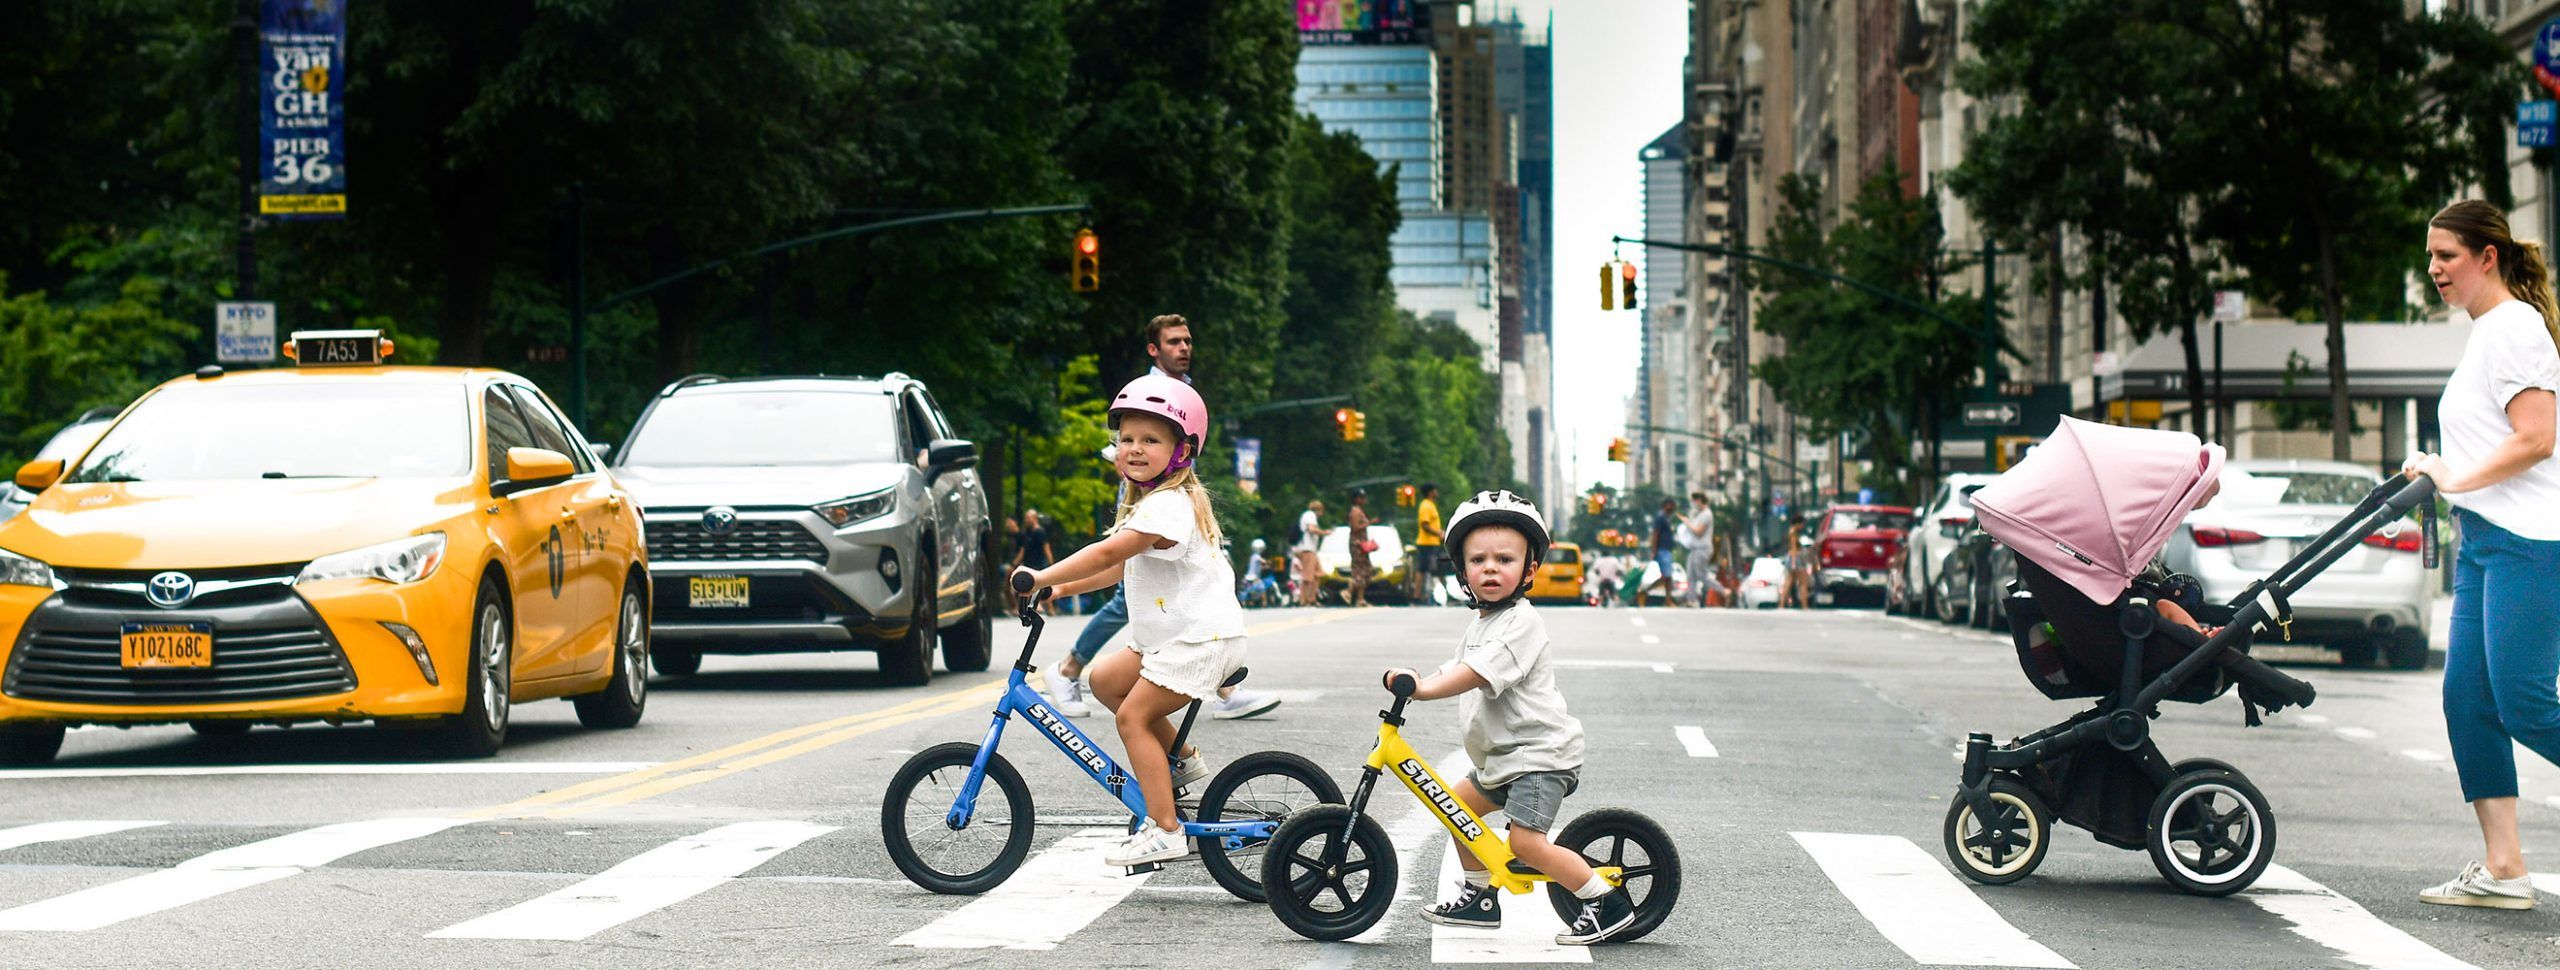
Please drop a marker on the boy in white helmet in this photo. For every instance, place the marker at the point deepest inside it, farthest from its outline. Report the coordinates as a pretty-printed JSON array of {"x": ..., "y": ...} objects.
[{"x": 1527, "y": 749}]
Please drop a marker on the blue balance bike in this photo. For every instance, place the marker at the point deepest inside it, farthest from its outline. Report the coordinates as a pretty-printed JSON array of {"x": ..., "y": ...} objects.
[{"x": 957, "y": 817}]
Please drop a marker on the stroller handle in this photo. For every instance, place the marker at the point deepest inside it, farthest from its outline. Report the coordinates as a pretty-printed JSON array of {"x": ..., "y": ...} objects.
[{"x": 2411, "y": 492}]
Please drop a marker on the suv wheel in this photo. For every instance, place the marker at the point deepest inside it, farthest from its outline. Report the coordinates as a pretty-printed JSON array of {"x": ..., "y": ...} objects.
[
  {"x": 967, "y": 646},
  {"x": 908, "y": 661}
]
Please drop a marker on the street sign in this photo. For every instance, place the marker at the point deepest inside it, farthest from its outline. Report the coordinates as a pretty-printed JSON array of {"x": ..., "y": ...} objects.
[
  {"x": 1995, "y": 414},
  {"x": 2535, "y": 123},
  {"x": 1248, "y": 460},
  {"x": 244, "y": 333},
  {"x": 2230, "y": 306}
]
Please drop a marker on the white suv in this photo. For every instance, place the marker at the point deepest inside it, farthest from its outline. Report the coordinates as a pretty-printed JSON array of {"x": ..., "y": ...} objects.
[
  {"x": 812, "y": 513},
  {"x": 1935, "y": 533}
]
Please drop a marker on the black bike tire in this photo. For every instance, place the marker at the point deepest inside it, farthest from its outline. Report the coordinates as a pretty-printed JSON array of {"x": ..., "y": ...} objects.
[
  {"x": 1247, "y": 886},
  {"x": 1325, "y": 822},
  {"x": 1662, "y": 889},
  {"x": 893, "y": 822}
]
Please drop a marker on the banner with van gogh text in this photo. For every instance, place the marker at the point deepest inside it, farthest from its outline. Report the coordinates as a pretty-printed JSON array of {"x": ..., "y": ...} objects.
[{"x": 302, "y": 47}]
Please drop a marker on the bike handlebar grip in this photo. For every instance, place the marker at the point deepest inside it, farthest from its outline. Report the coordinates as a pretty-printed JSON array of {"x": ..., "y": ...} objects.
[
  {"x": 1401, "y": 685},
  {"x": 1022, "y": 582}
]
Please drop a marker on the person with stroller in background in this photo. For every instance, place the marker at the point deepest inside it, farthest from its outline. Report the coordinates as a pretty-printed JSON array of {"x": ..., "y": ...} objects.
[{"x": 2502, "y": 656}]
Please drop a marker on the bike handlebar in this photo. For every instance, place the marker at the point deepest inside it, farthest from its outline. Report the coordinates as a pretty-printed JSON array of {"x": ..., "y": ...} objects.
[
  {"x": 1401, "y": 685},
  {"x": 1022, "y": 582}
]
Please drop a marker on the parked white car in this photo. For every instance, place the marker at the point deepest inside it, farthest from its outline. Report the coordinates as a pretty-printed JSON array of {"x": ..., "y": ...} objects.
[
  {"x": 2372, "y": 601},
  {"x": 1763, "y": 584},
  {"x": 1935, "y": 532}
]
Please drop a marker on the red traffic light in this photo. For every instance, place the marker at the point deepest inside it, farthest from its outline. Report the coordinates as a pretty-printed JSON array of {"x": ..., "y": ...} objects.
[
  {"x": 1088, "y": 243},
  {"x": 1627, "y": 270}
]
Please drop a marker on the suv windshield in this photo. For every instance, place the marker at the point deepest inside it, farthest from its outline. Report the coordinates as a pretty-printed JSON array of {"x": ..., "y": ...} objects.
[
  {"x": 730, "y": 427},
  {"x": 214, "y": 431},
  {"x": 1850, "y": 521}
]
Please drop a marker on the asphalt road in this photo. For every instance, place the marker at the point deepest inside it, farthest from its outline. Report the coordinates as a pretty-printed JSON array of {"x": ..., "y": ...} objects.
[{"x": 737, "y": 826}]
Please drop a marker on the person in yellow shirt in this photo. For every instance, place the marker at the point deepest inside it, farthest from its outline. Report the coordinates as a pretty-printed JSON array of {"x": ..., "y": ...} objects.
[{"x": 1426, "y": 546}]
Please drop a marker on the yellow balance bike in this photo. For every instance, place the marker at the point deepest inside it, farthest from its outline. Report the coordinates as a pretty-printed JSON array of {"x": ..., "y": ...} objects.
[{"x": 1329, "y": 873}]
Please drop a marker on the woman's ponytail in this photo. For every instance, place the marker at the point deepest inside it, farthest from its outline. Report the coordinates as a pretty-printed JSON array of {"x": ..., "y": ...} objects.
[
  {"x": 2521, "y": 266},
  {"x": 2529, "y": 278}
]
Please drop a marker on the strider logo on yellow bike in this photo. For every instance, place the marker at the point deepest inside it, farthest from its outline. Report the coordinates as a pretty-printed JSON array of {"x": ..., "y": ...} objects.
[
  {"x": 337, "y": 540},
  {"x": 1429, "y": 788}
]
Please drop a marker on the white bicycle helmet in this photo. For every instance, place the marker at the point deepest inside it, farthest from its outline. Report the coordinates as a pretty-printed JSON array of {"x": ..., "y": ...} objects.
[{"x": 1499, "y": 508}]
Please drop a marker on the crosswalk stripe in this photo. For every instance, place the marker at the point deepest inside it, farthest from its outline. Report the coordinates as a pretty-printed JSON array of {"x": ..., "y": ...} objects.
[
  {"x": 1056, "y": 893},
  {"x": 1694, "y": 738},
  {"x": 216, "y": 873},
  {"x": 65, "y": 831},
  {"x": 1527, "y": 935},
  {"x": 1919, "y": 906},
  {"x": 2548, "y": 882},
  {"x": 2334, "y": 921},
  {"x": 642, "y": 884}
]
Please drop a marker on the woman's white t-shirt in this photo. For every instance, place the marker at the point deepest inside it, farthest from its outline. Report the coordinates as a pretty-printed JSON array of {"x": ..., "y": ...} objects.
[
  {"x": 2508, "y": 353},
  {"x": 1307, "y": 529},
  {"x": 1182, "y": 594}
]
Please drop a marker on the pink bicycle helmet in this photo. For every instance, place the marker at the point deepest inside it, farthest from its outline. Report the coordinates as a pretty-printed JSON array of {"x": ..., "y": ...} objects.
[{"x": 1171, "y": 399}]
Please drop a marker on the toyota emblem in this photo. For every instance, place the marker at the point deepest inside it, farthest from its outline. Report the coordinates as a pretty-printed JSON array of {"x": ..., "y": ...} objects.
[
  {"x": 170, "y": 590},
  {"x": 720, "y": 520}
]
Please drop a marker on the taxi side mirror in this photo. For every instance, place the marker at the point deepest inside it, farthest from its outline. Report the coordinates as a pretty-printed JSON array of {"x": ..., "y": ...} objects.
[
  {"x": 36, "y": 476},
  {"x": 531, "y": 468}
]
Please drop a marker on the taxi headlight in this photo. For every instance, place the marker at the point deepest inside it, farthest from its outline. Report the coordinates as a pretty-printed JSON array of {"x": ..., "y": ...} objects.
[
  {"x": 17, "y": 570},
  {"x": 846, "y": 512},
  {"x": 398, "y": 561}
]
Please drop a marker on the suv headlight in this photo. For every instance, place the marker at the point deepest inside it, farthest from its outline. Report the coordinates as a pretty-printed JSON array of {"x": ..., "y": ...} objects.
[
  {"x": 398, "y": 561},
  {"x": 845, "y": 512},
  {"x": 17, "y": 570}
]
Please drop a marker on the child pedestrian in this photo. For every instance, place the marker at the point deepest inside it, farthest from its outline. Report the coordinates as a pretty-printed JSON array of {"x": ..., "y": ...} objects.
[
  {"x": 1183, "y": 616},
  {"x": 1527, "y": 750}
]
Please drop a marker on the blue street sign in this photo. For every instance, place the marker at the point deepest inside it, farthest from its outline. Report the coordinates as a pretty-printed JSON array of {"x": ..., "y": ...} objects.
[
  {"x": 2537, "y": 120},
  {"x": 2546, "y": 47}
]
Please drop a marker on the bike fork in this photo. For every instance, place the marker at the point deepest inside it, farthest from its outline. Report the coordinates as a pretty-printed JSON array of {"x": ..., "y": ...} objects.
[
  {"x": 965, "y": 807},
  {"x": 1358, "y": 804}
]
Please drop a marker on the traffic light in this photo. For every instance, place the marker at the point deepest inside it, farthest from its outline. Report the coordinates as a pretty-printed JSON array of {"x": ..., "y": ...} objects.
[
  {"x": 1404, "y": 495},
  {"x": 1342, "y": 423},
  {"x": 1357, "y": 428},
  {"x": 1618, "y": 449},
  {"x": 1087, "y": 276},
  {"x": 1608, "y": 285},
  {"x": 1594, "y": 503},
  {"x": 1627, "y": 280}
]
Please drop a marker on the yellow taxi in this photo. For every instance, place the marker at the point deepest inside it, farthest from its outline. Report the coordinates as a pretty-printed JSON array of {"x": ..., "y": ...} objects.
[
  {"x": 337, "y": 541},
  {"x": 1559, "y": 578}
]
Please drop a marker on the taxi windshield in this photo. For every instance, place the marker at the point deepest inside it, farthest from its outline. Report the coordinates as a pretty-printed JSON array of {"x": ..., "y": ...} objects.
[
  {"x": 794, "y": 427},
  {"x": 216, "y": 431}
]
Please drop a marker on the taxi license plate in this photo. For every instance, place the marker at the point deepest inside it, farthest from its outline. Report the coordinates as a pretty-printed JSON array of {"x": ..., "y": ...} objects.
[
  {"x": 149, "y": 645},
  {"x": 718, "y": 592}
]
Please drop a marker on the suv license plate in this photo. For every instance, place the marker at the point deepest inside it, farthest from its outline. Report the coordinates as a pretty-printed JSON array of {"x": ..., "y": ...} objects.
[
  {"x": 148, "y": 645},
  {"x": 717, "y": 592}
]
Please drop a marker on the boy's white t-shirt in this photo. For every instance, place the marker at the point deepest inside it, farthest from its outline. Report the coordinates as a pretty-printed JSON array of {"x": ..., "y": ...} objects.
[
  {"x": 2508, "y": 353},
  {"x": 1182, "y": 594},
  {"x": 1517, "y": 724}
]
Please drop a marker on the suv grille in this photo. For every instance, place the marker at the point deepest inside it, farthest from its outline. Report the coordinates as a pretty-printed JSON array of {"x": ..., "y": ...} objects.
[
  {"x": 683, "y": 540},
  {"x": 267, "y": 645}
]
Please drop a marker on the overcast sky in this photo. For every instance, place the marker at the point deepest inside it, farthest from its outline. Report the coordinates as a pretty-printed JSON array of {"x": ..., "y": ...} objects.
[{"x": 1617, "y": 86}]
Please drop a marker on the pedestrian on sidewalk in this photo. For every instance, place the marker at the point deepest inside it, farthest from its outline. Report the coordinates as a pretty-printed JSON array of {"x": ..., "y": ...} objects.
[
  {"x": 1031, "y": 548},
  {"x": 1169, "y": 346},
  {"x": 2502, "y": 658},
  {"x": 1698, "y": 538},
  {"x": 1311, "y": 533},
  {"x": 1358, "y": 521},
  {"x": 1425, "y": 568},
  {"x": 1665, "y": 524}
]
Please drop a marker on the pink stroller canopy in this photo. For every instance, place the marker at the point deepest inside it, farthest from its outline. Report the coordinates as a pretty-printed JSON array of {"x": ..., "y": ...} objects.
[{"x": 2093, "y": 503}]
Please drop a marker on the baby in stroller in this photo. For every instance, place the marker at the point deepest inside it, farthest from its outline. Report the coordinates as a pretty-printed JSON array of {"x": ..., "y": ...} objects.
[{"x": 2094, "y": 616}]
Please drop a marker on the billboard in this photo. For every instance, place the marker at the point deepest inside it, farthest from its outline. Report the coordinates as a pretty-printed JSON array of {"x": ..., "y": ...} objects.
[
  {"x": 302, "y": 125},
  {"x": 1329, "y": 22}
]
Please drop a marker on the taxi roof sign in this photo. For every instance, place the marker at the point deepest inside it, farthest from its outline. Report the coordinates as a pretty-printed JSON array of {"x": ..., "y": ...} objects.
[{"x": 337, "y": 348}]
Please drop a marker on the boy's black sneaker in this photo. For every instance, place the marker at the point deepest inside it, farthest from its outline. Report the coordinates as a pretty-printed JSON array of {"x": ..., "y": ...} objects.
[
  {"x": 1476, "y": 906},
  {"x": 1601, "y": 919}
]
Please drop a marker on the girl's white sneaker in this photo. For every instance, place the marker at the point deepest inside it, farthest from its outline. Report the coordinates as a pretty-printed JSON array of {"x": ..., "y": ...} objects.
[{"x": 1147, "y": 844}]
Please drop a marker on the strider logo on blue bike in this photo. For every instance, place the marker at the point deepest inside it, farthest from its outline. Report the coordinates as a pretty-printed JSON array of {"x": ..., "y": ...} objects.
[
  {"x": 1093, "y": 760},
  {"x": 1442, "y": 800}
]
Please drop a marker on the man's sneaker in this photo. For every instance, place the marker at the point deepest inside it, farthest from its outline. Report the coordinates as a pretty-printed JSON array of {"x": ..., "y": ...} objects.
[
  {"x": 1066, "y": 694},
  {"x": 1476, "y": 906},
  {"x": 1190, "y": 771},
  {"x": 2476, "y": 887},
  {"x": 1243, "y": 703},
  {"x": 1601, "y": 919},
  {"x": 1148, "y": 844}
]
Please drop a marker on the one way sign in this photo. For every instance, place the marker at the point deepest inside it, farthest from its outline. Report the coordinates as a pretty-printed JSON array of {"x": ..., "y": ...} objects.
[{"x": 1997, "y": 414}]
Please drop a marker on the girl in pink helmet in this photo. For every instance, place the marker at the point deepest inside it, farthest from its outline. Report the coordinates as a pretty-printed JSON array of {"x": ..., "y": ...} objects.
[{"x": 1187, "y": 629}]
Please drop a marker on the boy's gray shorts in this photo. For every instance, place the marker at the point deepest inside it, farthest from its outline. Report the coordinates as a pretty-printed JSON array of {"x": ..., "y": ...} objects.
[{"x": 1533, "y": 799}]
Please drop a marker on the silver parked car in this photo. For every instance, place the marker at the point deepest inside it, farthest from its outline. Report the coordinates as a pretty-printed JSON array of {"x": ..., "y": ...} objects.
[
  {"x": 812, "y": 513},
  {"x": 66, "y": 445},
  {"x": 2373, "y": 601},
  {"x": 1936, "y": 530}
]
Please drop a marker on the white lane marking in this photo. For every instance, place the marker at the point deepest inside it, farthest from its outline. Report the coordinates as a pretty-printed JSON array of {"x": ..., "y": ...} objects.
[
  {"x": 1650, "y": 638},
  {"x": 215, "y": 873},
  {"x": 2336, "y": 922},
  {"x": 1527, "y": 934},
  {"x": 1919, "y": 906},
  {"x": 1656, "y": 666},
  {"x": 1694, "y": 738},
  {"x": 640, "y": 885},
  {"x": 2312, "y": 718},
  {"x": 65, "y": 831},
  {"x": 2548, "y": 882},
  {"x": 1637, "y": 620},
  {"x": 425, "y": 768},
  {"x": 2356, "y": 733},
  {"x": 1410, "y": 833},
  {"x": 1298, "y": 696},
  {"x": 2421, "y": 754},
  {"x": 1057, "y": 892}
]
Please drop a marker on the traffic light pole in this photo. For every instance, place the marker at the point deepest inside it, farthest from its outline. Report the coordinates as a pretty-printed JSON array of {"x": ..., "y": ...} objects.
[
  {"x": 1800, "y": 470},
  {"x": 578, "y": 314},
  {"x": 1986, "y": 333}
]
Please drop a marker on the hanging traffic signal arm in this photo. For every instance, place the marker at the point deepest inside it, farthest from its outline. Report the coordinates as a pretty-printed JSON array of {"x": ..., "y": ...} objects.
[{"x": 1973, "y": 330}]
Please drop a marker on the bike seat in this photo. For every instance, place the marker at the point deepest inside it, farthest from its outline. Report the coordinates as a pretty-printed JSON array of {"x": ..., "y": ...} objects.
[{"x": 1235, "y": 678}]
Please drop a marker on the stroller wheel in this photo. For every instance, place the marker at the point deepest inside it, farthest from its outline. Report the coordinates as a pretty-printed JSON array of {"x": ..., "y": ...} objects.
[
  {"x": 2211, "y": 832},
  {"x": 2006, "y": 846}
]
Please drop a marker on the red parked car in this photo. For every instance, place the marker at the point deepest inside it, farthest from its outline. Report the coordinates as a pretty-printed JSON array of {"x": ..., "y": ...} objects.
[{"x": 1853, "y": 550}]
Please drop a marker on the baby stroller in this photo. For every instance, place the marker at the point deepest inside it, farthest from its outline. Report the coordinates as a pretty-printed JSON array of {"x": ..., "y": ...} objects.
[{"x": 2085, "y": 512}]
